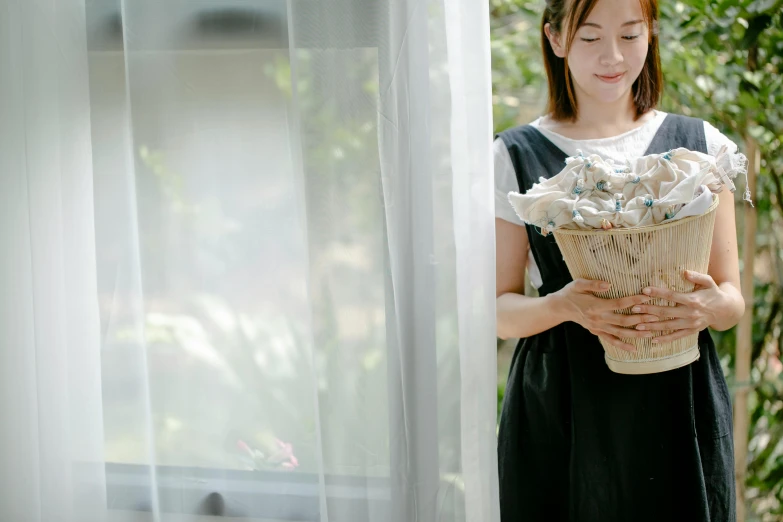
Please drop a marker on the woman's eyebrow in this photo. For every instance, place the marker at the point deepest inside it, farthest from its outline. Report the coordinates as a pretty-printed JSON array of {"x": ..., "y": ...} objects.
[{"x": 631, "y": 22}]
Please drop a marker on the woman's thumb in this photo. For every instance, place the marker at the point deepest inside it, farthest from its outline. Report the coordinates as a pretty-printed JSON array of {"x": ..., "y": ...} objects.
[{"x": 587, "y": 285}]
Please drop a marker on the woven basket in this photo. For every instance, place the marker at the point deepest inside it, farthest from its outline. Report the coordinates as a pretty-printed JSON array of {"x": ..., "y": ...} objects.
[{"x": 634, "y": 258}]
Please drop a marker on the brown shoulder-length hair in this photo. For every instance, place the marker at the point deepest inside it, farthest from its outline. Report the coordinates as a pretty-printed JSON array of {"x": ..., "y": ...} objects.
[{"x": 570, "y": 15}]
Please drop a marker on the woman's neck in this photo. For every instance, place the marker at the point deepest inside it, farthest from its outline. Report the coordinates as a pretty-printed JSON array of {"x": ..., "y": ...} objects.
[{"x": 599, "y": 120}]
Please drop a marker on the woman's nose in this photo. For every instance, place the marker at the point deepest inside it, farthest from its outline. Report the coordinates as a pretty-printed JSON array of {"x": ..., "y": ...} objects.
[{"x": 610, "y": 53}]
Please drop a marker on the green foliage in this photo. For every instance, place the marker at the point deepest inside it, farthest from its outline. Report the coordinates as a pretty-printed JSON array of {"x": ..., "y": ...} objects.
[{"x": 722, "y": 62}]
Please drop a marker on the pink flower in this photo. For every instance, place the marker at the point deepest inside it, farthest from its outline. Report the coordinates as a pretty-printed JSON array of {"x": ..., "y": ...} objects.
[
  {"x": 774, "y": 364},
  {"x": 285, "y": 456},
  {"x": 242, "y": 445},
  {"x": 285, "y": 447}
]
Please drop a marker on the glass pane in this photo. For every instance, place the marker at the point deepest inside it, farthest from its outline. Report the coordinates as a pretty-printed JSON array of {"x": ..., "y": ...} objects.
[{"x": 240, "y": 238}]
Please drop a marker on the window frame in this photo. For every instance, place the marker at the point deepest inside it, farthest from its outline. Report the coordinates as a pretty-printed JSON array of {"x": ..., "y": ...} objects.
[{"x": 277, "y": 495}]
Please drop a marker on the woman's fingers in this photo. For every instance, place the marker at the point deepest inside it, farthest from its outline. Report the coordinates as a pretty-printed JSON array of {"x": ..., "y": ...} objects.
[
  {"x": 669, "y": 295},
  {"x": 588, "y": 285},
  {"x": 615, "y": 341},
  {"x": 670, "y": 324},
  {"x": 662, "y": 311},
  {"x": 675, "y": 335},
  {"x": 619, "y": 331},
  {"x": 700, "y": 279},
  {"x": 625, "y": 302},
  {"x": 631, "y": 320}
]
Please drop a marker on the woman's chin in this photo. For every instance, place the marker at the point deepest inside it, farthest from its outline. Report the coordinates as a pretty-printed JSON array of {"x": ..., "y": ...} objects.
[{"x": 607, "y": 96}]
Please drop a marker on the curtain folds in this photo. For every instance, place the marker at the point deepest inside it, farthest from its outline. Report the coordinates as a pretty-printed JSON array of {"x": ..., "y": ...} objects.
[{"x": 247, "y": 261}]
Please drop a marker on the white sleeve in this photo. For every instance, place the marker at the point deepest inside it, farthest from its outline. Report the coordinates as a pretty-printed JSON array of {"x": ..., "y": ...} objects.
[
  {"x": 716, "y": 139},
  {"x": 505, "y": 182}
]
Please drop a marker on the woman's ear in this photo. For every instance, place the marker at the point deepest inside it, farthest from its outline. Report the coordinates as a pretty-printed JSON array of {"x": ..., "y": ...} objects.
[{"x": 554, "y": 41}]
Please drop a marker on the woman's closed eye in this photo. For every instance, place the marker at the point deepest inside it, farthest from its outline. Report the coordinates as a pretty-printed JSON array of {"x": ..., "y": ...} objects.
[{"x": 628, "y": 38}]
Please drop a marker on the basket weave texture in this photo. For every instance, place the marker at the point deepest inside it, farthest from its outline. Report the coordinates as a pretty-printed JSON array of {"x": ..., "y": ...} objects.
[{"x": 634, "y": 258}]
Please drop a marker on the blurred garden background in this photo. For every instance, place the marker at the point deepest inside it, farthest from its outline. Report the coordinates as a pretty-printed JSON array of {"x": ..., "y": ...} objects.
[{"x": 722, "y": 63}]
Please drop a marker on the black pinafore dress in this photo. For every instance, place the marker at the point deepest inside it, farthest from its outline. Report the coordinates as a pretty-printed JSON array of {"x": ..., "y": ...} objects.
[{"x": 580, "y": 443}]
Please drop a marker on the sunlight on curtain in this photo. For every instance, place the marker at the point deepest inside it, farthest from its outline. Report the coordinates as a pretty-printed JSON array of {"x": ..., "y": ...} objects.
[
  {"x": 293, "y": 249},
  {"x": 51, "y": 447}
]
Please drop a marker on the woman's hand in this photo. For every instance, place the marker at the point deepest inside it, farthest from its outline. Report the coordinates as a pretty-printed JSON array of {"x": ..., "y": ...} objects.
[
  {"x": 694, "y": 311},
  {"x": 598, "y": 315}
]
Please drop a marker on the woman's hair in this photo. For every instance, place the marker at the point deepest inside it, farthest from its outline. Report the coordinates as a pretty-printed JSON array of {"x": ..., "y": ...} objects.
[{"x": 570, "y": 15}]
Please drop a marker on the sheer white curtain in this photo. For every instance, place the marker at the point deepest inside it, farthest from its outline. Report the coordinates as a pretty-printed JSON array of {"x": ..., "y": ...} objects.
[
  {"x": 247, "y": 260},
  {"x": 51, "y": 436}
]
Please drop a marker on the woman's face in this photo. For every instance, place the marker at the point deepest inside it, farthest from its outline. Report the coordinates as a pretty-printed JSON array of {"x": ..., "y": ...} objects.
[{"x": 609, "y": 50}]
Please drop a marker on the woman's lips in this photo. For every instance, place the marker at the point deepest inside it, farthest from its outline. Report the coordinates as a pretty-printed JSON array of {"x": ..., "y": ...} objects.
[{"x": 611, "y": 79}]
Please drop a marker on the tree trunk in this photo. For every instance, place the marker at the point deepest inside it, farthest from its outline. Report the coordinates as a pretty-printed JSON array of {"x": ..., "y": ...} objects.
[{"x": 745, "y": 334}]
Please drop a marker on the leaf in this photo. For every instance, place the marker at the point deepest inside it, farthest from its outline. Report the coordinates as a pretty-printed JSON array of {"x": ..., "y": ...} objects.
[
  {"x": 748, "y": 100},
  {"x": 694, "y": 35},
  {"x": 751, "y": 81},
  {"x": 728, "y": 18},
  {"x": 760, "y": 6},
  {"x": 712, "y": 40},
  {"x": 689, "y": 21}
]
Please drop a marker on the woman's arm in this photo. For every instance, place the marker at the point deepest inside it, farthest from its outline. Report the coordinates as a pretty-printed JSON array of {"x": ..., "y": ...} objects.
[
  {"x": 519, "y": 315},
  {"x": 724, "y": 264},
  {"x": 522, "y": 316}
]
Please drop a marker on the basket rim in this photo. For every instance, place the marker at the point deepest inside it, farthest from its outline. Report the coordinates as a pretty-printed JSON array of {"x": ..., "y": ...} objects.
[{"x": 643, "y": 228}]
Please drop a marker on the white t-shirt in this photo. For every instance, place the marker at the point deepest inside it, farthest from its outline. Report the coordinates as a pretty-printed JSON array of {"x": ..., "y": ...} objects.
[{"x": 628, "y": 145}]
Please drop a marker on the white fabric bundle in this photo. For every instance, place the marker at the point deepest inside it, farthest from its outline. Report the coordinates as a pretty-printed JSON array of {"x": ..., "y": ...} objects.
[{"x": 591, "y": 192}]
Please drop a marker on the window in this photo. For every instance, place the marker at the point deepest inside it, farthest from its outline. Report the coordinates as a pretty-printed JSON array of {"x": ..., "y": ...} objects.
[{"x": 207, "y": 317}]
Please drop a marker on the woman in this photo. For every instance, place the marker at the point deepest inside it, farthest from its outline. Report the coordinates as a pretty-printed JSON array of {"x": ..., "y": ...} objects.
[{"x": 576, "y": 441}]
